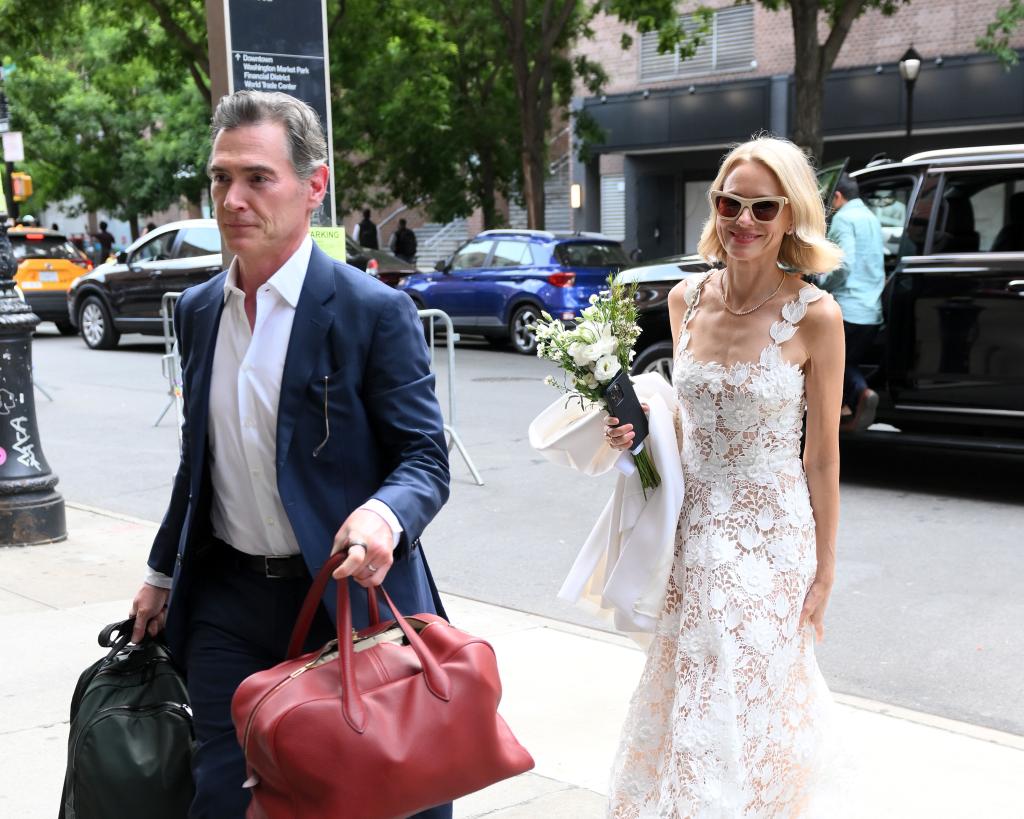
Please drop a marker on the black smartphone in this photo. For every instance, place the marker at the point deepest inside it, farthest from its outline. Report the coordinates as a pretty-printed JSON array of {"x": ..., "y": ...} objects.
[{"x": 623, "y": 404}]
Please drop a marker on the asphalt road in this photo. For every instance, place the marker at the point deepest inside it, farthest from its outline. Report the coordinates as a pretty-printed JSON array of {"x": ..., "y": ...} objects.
[{"x": 927, "y": 609}]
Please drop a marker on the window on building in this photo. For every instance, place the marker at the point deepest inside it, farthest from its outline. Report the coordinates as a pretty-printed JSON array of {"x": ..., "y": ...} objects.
[
  {"x": 729, "y": 47},
  {"x": 613, "y": 206}
]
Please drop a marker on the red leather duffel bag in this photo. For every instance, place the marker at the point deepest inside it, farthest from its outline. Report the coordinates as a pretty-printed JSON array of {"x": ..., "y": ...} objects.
[{"x": 376, "y": 725}]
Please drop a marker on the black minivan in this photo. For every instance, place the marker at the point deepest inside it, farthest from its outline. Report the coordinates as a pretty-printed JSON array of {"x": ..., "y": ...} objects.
[{"x": 949, "y": 363}]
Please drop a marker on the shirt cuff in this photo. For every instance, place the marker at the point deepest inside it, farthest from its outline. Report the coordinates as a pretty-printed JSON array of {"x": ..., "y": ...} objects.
[
  {"x": 158, "y": 579},
  {"x": 382, "y": 509}
]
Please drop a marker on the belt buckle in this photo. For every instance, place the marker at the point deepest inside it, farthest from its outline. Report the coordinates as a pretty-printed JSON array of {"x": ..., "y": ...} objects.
[{"x": 269, "y": 570}]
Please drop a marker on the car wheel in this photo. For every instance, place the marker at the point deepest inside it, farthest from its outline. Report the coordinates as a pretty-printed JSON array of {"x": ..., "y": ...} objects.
[
  {"x": 97, "y": 326},
  {"x": 520, "y": 329},
  {"x": 66, "y": 328},
  {"x": 655, "y": 359}
]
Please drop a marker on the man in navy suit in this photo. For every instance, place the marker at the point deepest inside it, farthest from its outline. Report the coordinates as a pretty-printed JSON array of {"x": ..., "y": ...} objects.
[{"x": 311, "y": 427}]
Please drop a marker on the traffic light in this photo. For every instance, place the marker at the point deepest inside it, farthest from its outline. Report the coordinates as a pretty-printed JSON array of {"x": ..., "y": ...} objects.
[{"x": 21, "y": 186}]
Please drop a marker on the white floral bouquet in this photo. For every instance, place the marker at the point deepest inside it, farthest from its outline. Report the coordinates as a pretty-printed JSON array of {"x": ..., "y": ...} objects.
[{"x": 594, "y": 351}]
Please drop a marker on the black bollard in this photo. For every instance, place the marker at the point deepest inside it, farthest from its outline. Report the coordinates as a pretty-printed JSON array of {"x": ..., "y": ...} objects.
[{"x": 31, "y": 511}]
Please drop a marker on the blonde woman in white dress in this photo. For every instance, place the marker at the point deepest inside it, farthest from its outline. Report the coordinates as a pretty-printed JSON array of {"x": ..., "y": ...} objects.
[{"x": 731, "y": 716}]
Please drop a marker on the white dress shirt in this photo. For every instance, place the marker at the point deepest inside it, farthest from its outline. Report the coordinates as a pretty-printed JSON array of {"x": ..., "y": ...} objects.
[{"x": 245, "y": 386}]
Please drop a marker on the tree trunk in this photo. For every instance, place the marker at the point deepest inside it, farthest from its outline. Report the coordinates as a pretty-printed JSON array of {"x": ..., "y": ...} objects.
[
  {"x": 532, "y": 165},
  {"x": 486, "y": 193},
  {"x": 133, "y": 225},
  {"x": 809, "y": 76}
]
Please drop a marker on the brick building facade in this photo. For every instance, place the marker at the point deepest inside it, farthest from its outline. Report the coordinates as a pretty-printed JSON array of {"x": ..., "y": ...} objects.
[{"x": 667, "y": 121}]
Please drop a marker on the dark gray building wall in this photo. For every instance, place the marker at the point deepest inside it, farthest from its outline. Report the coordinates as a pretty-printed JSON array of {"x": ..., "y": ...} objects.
[{"x": 682, "y": 133}]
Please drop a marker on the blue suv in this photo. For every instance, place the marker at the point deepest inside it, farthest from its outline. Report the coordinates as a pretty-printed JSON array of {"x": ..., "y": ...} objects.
[{"x": 497, "y": 283}]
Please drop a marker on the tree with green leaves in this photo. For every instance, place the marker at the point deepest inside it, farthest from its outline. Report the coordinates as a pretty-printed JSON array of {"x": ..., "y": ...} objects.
[
  {"x": 422, "y": 110},
  {"x": 999, "y": 31},
  {"x": 106, "y": 126},
  {"x": 813, "y": 59}
]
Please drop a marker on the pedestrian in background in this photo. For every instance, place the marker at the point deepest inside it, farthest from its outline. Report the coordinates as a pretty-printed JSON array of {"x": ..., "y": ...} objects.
[
  {"x": 366, "y": 232},
  {"x": 403, "y": 243},
  {"x": 149, "y": 226},
  {"x": 105, "y": 239},
  {"x": 311, "y": 428},
  {"x": 857, "y": 286}
]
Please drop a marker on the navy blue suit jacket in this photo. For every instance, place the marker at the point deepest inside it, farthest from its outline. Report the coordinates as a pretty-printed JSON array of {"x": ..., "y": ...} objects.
[{"x": 386, "y": 435}]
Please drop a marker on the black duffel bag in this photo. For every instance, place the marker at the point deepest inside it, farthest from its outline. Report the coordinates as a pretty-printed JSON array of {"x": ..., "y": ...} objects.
[{"x": 131, "y": 740}]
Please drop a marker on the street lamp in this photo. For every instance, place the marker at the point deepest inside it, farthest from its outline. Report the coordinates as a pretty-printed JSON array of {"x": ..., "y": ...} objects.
[
  {"x": 910, "y": 67},
  {"x": 30, "y": 510}
]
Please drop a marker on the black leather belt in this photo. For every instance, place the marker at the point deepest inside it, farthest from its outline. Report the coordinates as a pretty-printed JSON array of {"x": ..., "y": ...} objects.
[{"x": 283, "y": 567}]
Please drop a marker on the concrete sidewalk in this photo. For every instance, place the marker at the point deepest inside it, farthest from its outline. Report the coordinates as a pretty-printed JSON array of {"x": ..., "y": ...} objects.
[{"x": 566, "y": 691}]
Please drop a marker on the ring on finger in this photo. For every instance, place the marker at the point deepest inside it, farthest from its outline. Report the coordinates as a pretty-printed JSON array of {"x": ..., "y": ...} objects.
[{"x": 371, "y": 568}]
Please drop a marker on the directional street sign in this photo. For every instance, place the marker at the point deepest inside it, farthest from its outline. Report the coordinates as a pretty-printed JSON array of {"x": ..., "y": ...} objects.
[{"x": 281, "y": 45}]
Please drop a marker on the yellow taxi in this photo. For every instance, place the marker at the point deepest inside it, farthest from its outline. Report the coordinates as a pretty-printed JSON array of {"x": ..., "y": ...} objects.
[{"x": 47, "y": 264}]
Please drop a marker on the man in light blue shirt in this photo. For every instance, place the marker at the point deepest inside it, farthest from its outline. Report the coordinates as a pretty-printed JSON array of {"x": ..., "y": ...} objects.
[{"x": 857, "y": 287}]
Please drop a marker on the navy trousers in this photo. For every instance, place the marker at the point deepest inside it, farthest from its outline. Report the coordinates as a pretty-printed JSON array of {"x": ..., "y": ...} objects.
[
  {"x": 239, "y": 623},
  {"x": 859, "y": 338}
]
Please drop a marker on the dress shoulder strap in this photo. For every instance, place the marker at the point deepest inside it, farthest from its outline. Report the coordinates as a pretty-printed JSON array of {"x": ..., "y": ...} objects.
[
  {"x": 793, "y": 311},
  {"x": 692, "y": 296}
]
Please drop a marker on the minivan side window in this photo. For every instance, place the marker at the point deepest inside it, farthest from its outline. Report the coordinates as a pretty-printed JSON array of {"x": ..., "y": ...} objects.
[
  {"x": 199, "y": 242},
  {"x": 472, "y": 255},
  {"x": 888, "y": 200},
  {"x": 981, "y": 211}
]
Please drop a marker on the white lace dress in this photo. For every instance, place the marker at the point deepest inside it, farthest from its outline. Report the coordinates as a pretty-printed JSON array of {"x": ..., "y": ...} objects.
[{"x": 731, "y": 713}]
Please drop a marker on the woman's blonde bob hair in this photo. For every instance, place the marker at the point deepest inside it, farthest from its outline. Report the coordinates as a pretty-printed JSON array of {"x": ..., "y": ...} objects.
[{"x": 806, "y": 250}]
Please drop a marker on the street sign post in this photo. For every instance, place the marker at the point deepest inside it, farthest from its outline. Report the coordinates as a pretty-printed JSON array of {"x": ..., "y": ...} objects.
[{"x": 281, "y": 45}]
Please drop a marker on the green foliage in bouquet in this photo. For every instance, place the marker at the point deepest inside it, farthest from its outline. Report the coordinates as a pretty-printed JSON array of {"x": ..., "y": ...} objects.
[
  {"x": 594, "y": 351},
  {"x": 598, "y": 347}
]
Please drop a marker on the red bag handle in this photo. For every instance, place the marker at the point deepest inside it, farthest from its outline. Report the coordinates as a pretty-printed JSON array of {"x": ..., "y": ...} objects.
[{"x": 351, "y": 698}]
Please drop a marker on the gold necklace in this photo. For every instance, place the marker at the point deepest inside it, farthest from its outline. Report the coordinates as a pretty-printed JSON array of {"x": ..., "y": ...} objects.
[{"x": 760, "y": 304}]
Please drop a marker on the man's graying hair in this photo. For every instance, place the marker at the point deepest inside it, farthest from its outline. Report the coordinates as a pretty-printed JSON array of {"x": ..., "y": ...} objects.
[{"x": 307, "y": 146}]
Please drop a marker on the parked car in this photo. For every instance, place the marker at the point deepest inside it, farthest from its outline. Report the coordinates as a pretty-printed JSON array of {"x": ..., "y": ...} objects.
[
  {"x": 385, "y": 266},
  {"x": 124, "y": 296},
  {"x": 47, "y": 264},
  {"x": 949, "y": 363},
  {"x": 497, "y": 283}
]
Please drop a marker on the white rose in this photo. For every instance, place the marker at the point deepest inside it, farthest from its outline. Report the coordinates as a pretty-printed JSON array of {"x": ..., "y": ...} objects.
[
  {"x": 606, "y": 369},
  {"x": 590, "y": 381},
  {"x": 580, "y": 353},
  {"x": 605, "y": 345}
]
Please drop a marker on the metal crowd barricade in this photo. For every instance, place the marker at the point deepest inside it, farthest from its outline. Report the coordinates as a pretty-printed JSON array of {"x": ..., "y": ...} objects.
[
  {"x": 450, "y": 338},
  {"x": 170, "y": 363}
]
